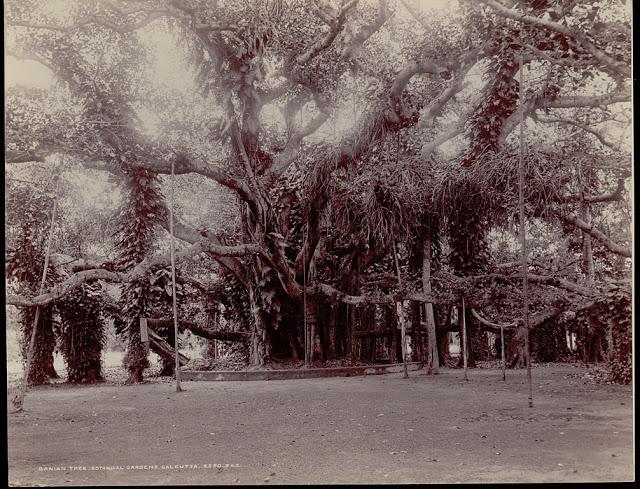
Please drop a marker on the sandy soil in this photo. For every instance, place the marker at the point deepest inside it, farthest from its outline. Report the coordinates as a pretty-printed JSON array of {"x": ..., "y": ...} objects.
[{"x": 376, "y": 429}]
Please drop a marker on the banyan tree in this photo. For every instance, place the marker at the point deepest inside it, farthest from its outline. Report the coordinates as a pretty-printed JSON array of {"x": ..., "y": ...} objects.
[{"x": 339, "y": 133}]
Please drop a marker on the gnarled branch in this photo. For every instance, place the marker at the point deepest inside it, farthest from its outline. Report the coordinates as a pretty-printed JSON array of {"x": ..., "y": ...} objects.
[
  {"x": 596, "y": 234},
  {"x": 620, "y": 69}
]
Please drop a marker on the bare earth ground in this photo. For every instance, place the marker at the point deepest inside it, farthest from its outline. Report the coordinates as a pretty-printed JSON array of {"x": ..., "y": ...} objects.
[{"x": 374, "y": 429}]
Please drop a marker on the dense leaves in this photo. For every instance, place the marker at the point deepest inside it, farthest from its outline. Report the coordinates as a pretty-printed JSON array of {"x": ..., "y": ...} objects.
[
  {"x": 338, "y": 130},
  {"x": 82, "y": 334}
]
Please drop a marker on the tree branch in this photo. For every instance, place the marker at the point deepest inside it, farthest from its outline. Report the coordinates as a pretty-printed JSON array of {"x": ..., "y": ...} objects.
[
  {"x": 335, "y": 26},
  {"x": 402, "y": 80},
  {"x": 93, "y": 20},
  {"x": 368, "y": 30},
  {"x": 620, "y": 95},
  {"x": 620, "y": 69},
  {"x": 490, "y": 324},
  {"x": 614, "y": 196},
  {"x": 584, "y": 127},
  {"x": 199, "y": 330},
  {"x": 78, "y": 278},
  {"x": 596, "y": 234},
  {"x": 448, "y": 134}
]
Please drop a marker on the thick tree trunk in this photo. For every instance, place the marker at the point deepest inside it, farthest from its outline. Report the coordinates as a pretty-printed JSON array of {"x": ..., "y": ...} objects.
[
  {"x": 442, "y": 333},
  {"x": 352, "y": 311},
  {"x": 136, "y": 359},
  {"x": 471, "y": 358},
  {"x": 516, "y": 348},
  {"x": 331, "y": 332},
  {"x": 258, "y": 352},
  {"x": 417, "y": 339},
  {"x": 433, "y": 361},
  {"x": 41, "y": 369},
  {"x": 313, "y": 334},
  {"x": 395, "y": 350},
  {"x": 443, "y": 348}
]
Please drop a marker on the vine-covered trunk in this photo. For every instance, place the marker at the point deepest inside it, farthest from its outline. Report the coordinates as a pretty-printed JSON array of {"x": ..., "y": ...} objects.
[
  {"x": 41, "y": 369},
  {"x": 82, "y": 334},
  {"x": 136, "y": 359},
  {"x": 469, "y": 326},
  {"x": 259, "y": 348},
  {"x": 433, "y": 361},
  {"x": 81, "y": 346},
  {"x": 443, "y": 320},
  {"x": 331, "y": 331},
  {"x": 417, "y": 339},
  {"x": 168, "y": 361}
]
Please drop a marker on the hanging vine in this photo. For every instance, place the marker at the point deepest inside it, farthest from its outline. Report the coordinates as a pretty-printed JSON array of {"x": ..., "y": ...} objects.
[
  {"x": 25, "y": 263},
  {"x": 142, "y": 211},
  {"x": 81, "y": 333}
]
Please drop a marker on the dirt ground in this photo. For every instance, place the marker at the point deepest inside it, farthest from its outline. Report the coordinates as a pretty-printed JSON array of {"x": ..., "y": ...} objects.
[{"x": 374, "y": 429}]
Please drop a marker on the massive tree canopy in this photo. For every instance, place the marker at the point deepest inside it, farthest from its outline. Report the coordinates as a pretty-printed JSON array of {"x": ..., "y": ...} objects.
[{"x": 310, "y": 138}]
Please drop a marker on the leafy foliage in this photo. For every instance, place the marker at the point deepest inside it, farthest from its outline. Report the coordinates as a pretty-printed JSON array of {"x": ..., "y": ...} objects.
[
  {"x": 135, "y": 241},
  {"x": 81, "y": 333},
  {"x": 610, "y": 317},
  {"x": 25, "y": 264}
]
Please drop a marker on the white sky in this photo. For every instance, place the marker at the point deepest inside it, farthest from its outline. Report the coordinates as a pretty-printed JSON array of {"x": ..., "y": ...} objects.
[{"x": 168, "y": 66}]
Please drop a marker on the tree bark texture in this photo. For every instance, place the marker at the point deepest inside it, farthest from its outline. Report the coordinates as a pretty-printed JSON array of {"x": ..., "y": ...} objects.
[{"x": 433, "y": 361}]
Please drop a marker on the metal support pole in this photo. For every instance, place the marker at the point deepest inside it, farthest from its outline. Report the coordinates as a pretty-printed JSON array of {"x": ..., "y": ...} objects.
[
  {"x": 173, "y": 283},
  {"x": 18, "y": 402},
  {"x": 504, "y": 363},
  {"x": 464, "y": 340},
  {"x": 304, "y": 300},
  {"x": 403, "y": 331},
  {"x": 523, "y": 238}
]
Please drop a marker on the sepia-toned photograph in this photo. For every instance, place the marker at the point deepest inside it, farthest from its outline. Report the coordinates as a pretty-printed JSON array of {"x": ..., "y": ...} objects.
[{"x": 277, "y": 242}]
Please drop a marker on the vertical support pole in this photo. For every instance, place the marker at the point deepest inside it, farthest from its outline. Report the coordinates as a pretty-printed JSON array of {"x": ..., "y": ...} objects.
[
  {"x": 504, "y": 363},
  {"x": 464, "y": 340},
  {"x": 523, "y": 238},
  {"x": 173, "y": 282},
  {"x": 304, "y": 300},
  {"x": 403, "y": 331},
  {"x": 144, "y": 331},
  {"x": 19, "y": 401}
]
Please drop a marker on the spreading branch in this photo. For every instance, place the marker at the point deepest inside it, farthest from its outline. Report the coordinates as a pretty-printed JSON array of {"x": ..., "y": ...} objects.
[
  {"x": 335, "y": 27},
  {"x": 597, "y": 235},
  {"x": 77, "y": 279},
  {"x": 620, "y": 95},
  {"x": 614, "y": 196},
  {"x": 584, "y": 127},
  {"x": 198, "y": 329},
  {"x": 620, "y": 69},
  {"x": 95, "y": 20}
]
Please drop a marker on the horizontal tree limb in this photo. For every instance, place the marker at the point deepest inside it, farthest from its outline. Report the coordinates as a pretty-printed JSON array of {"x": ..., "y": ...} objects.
[
  {"x": 621, "y": 94},
  {"x": 584, "y": 127},
  {"x": 94, "y": 20},
  {"x": 620, "y": 69},
  {"x": 199, "y": 330},
  {"x": 335, "y": 27},
  {"x": 164, "y": 349},
  {"x": 78, "y": 278},
  {"x": 596, "y": 234},
  {"x": 614, "y": 196}
]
